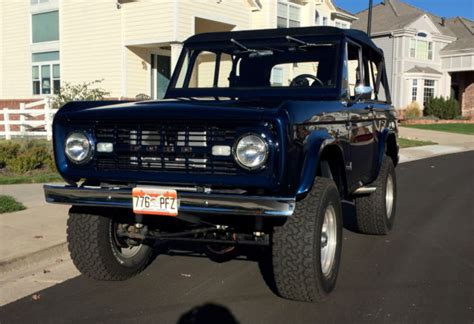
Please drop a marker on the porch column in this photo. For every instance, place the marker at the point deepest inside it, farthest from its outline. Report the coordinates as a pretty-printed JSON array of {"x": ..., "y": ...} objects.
[{"x": 175, "y": 51}]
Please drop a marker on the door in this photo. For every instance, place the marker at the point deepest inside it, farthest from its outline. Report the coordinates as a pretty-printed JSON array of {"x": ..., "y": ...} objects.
[
  {"x": 161, "y": 74},
  {"x": 363, "y": 144}
]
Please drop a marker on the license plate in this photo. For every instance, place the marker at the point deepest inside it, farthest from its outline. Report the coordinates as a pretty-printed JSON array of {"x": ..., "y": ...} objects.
[{"x": 155, "y": 201}]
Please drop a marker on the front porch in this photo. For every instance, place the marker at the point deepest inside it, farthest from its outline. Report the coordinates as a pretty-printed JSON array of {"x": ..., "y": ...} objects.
[
  {"x": 149, "y": 65},
  {"x": 462, "y": 89}
]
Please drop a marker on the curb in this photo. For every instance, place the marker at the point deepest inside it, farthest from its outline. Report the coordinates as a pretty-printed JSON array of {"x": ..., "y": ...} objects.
[{"x": 32, "y": 258}]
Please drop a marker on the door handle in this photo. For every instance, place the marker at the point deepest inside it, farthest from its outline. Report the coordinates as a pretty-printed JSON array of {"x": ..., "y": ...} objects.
[{"x": 369, "y": 108}]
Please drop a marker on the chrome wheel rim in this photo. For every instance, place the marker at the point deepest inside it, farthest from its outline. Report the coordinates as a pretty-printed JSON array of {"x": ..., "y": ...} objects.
[
  {"x": 389, "y": 193},
  {"x": 328, "y": 240}
]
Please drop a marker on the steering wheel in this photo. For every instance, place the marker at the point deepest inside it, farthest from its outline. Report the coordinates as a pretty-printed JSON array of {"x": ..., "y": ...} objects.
[{"x": 302, "y": 81}]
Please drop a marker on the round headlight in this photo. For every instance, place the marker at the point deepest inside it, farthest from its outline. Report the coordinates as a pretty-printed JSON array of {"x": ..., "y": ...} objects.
[
  {"x": 78, "y": 148},
  {"x": 251, "y": 151}
]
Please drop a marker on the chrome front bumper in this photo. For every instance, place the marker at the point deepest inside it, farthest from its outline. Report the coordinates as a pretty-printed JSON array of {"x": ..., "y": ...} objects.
[{"x": 189, "y": 202}]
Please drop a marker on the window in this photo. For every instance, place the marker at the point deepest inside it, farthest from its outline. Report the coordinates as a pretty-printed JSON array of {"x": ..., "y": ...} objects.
[
  {"x": 325, "y": 21},
  {"x": 45, "y": 27},
  {"x": 428, "y": 91},
  {"x": 354, "y": 73},
  {"x": 46, "y": 73},
  {"x": 414, "y": 89},
  {"x": 237, "y": 69},
  {"x": 288, "y": 15},
  {"x": 277, "y": 77},
  {"x": 338, "y": 24},
  {"x": 420, "y": 48},
  {"x": 430, "y": 50}
]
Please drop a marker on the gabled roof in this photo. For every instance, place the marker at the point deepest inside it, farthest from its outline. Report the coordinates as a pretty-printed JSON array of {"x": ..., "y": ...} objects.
[
  {"x": 391, "y": 15},
  {"x": 344, "y": 14},
  {"x": 423, "y": 69},
  {"x": 463, "y": 28}
]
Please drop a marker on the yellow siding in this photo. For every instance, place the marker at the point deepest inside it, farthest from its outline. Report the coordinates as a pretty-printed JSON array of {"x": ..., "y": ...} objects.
[
  {"x": 148, "y": 21},
  {"x": 265, "y": 17},
  {"x": 233, "y": 12},
  {"x": 15, "y": 77},
  {"x": 138, "y": 71},
  {"x": 1, "y": 51},
  {"x": 91, "y": 48}
]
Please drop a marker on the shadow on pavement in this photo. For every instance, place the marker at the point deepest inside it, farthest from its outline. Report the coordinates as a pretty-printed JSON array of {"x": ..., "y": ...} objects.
[{"x": 208, "y": 313}]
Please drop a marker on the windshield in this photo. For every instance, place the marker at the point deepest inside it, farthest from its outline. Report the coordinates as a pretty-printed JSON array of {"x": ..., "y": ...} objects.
[{"x": 248, "y": 65}]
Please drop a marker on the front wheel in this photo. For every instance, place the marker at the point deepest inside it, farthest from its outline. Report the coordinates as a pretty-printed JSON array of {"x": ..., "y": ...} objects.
[
  {"x": 98, "y": 253},
  {"x": 306, "y": 250}
]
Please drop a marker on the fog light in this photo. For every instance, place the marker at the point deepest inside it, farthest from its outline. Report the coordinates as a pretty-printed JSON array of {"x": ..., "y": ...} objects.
[
  {"x": 105, "y": 147},
  {"x": 221, "y": 150}
]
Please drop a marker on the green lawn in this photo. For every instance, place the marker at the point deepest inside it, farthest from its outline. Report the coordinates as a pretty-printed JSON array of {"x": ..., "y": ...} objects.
[
  {"x": 405, "y": 142},
  {"x": 451, "y": 128},
  {"x": 9, "y": 204},
  {"x": 36, "y": 178}
]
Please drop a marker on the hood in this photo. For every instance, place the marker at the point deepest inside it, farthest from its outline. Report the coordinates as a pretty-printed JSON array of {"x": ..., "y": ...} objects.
[{"x": 164, "y": 110}]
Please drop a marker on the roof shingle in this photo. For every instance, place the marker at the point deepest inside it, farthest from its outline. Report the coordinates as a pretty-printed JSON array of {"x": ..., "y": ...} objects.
[{"x": 391, "y": 15}]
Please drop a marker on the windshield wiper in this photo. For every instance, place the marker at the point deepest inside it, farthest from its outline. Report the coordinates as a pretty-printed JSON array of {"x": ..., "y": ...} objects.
[
  {"x": 304, "y": 44},
  {"x": 252, "y": 52}
]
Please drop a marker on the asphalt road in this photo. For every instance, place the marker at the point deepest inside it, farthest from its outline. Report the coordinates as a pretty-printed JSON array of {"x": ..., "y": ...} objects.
[{"x": 422, "y": 272}]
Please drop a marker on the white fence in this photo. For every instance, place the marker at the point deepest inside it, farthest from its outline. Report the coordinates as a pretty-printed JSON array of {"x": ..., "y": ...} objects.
[{"x": 25, "y": 124}]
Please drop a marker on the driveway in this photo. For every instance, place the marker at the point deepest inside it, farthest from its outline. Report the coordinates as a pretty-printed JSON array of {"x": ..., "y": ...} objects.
[{"x": 422, "y": 272}]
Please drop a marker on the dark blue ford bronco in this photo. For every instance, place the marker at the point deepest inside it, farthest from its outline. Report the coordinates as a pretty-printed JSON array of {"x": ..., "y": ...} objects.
[{"x": 259, "y": 138}]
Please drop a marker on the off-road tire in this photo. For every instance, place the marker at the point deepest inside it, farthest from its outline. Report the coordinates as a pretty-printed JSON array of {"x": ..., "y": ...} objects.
[
  {"x": 89, "y": 238},
  {"x": 296, "y": 246},
  {"x": 372, "y": 216}
]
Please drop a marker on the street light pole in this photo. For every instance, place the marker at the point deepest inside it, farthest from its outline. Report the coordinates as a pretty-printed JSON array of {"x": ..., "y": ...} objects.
[{"x": 369, "y": 19}]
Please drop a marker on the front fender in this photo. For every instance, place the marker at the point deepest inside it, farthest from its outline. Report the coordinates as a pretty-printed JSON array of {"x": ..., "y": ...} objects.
[
  {"x": 382, "y": 147},
  {"x": 312, "y": 148}
]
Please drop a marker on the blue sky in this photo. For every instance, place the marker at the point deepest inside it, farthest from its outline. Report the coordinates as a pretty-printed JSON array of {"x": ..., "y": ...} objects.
[{"x": 440, "y": 8}]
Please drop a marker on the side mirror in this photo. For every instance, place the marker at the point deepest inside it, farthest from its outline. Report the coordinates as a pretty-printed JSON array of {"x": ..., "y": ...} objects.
[{"x": 362, "y": 90}]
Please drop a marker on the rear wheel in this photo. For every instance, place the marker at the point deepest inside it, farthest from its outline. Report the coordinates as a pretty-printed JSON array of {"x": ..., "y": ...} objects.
[
  {"x": 376, "y": 212},
  {"x": 306, "y": 250},
  {"x": 99, "y": 253}
]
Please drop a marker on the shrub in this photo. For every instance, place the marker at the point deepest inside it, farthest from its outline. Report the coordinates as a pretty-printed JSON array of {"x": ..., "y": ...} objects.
[
  {"x": 442, "y": 108},
  {"x": 88, "y": 91},
  {"x": 26, "y": 155},
  {"x": 8, "y": 150},
  {"x": 413, "y": 110},
  {"x": 29, "y": 160}
]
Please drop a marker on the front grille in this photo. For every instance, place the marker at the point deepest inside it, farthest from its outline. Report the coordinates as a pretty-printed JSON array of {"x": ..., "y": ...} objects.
[{"x": 166, "y": 148}]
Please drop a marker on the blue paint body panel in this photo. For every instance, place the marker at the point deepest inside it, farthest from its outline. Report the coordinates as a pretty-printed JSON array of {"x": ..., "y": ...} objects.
[{"x": 297, "y": 131}]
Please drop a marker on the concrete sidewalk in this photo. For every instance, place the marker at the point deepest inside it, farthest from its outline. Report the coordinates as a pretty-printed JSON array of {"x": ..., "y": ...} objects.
[
  {"x": 442, "y": 138},
  {"x": 33, "y": 234},
  {"x": 448, "y": 143},
  {"x": 40, "y": 231}
]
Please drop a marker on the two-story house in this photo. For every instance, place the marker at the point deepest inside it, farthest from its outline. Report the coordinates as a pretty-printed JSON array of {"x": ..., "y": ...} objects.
[
  {"x": 132, "y": 45},
  {"x": 425, "y": 55}
]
